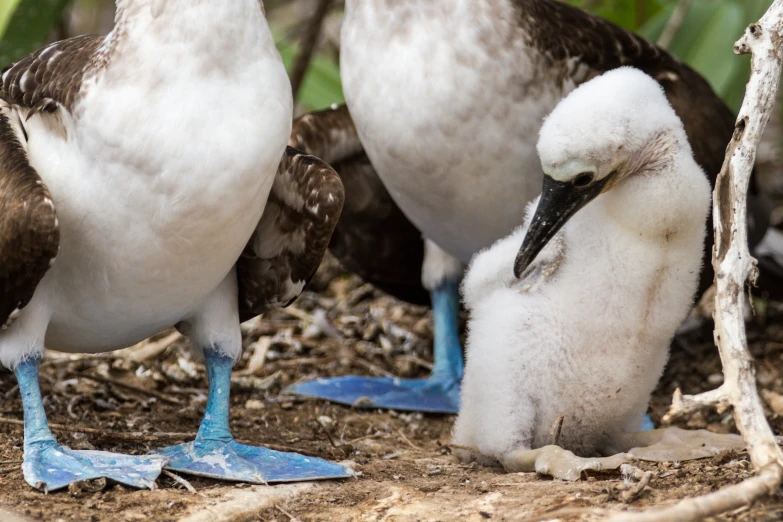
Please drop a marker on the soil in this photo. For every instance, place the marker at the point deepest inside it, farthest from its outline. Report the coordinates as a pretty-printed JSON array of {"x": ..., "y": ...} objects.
[{"x": 119, "y": 402}]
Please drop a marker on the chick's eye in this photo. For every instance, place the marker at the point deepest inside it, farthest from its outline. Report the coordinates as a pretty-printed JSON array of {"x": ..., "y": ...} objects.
[{"x": 583, "y": 179}]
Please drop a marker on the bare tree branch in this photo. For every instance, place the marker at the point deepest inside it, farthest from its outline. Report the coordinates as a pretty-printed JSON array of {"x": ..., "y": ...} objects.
[
  {"x": 308, "y": 45},
  {"x": 674, "y": 23},
  {"x": 734, "y": 269}
]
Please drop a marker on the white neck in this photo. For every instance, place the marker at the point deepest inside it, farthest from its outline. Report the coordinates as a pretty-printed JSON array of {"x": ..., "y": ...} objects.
[
  {"x": 213, "y": 30},
  {"x": 670, "y": 196}
]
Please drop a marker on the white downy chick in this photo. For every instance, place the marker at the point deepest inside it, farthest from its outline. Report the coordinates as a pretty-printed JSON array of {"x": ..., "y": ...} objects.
[{"x": 585, "y": 330}]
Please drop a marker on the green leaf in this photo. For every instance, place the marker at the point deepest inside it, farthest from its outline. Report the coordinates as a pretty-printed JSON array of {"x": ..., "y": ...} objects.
[
  {"x": 321, "y": 85},
  {"x": 7, "y": 8},
  {"x": 28, "y": 27},
  {"x": 705, "y": 41}
]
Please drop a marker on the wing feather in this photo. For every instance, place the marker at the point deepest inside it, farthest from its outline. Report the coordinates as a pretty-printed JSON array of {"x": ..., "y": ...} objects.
[
  {"x": 29, "y": 232},
  {"x": 51, "y": 77},
  {"x": 292, "y": 236},
  {"x": 373, "y": 238}
]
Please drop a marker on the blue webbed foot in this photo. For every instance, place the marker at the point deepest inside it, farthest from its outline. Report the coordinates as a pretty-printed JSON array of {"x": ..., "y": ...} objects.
[
  {"x": 49, "y": 467},
  {"x": 427, "y": 395},
  {"x": 437, "y": 394},
  {"x": 216, "y": 454},
  {"x": 238, "y": 462}
]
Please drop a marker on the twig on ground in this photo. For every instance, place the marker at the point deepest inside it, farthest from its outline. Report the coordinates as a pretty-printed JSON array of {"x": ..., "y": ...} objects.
[
  {"x": 179, "y": 480},
  {"x": 150, "y": 350},
  {"x": 291, "y": 517},
  {"x": 643, "y": 479},
  {"x": 565, "y": 512},
  {"x": 734, "y": 269},
  {"x": 700, "y": 508},
  {"x": 132, "y": 387},
  {"x": 336, "y": 446},
  {"x": 135, "y": 436},
  {"x": 417, "y": 360},
  {"x": 251, "y": 383},
  {"x": 355, "y": 296},
  {"x": 373, "y": 368},
  {"x": 10, "y": 393},
  {"x": 557, "y": 429},
  {"x": 246, "y": 504},
  {"x": 258, "y": 358},
  {"x": 407, "y": 440}
]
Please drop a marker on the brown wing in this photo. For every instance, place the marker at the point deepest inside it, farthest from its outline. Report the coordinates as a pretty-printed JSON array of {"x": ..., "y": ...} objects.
[
  {"x": 373, "y": 238},
  {"x": 569, "y": 37},
  {"x": 50, "y": 77},
  {"x": 29, "y": 233},
  {"x": 578, "y": 46},
  {"x": 292, "y": 236}
]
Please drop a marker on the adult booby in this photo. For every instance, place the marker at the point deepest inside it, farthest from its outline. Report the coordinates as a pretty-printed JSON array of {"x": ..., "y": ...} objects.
[
  {"x": 135, "y": 196},
  {"x": 584, "y": 331},
  {"x": 447, "y": 97}
]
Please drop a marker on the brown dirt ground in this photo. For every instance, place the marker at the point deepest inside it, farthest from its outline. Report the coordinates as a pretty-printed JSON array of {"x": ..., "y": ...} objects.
[{"x": 406, "y": 469}]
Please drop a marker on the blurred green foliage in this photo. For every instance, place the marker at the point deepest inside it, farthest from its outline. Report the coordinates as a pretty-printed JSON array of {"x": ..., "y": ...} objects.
[
  {"x": 704, "y": 40},
  {"x": 27, "y": 25},
  {"x": 321, "y": 86}
]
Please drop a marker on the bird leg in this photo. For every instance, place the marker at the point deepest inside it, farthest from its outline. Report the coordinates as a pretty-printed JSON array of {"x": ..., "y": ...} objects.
[
  {"x": 558, "y": 462},
  {"x": 438, "y": 394},
  {"x": 48, "y": 466},
  {"x": 662, "y": 445},
  {"x": 214, "y": 453},
  {"x": 675, "y": 444}
]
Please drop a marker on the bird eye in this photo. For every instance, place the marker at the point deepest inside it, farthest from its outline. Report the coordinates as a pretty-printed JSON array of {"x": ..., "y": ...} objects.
[{"x": 583, "y": 179}]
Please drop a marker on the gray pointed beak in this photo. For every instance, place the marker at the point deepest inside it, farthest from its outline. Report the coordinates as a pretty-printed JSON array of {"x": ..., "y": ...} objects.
[{"x": 559, "y": 201}]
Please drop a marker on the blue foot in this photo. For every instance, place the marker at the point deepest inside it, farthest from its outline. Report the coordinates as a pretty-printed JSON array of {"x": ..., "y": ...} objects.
[
  {"x": 647, "y": 423},
  {"x": 426, "y": 395},
  {"x": 438, "y": 394},
  {"x": 215, "y": 454},
  {"x": 48, "y": 466},
  {"x": 238, "y": 462}
]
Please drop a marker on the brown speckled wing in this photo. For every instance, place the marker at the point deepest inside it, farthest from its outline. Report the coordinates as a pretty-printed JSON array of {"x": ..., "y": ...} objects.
[
  {"x": 29, "y": 233},
  {"x": 50, "y": 77},
  {"x": 292, "y": 236},
  {"x": 373, "y": 238}
]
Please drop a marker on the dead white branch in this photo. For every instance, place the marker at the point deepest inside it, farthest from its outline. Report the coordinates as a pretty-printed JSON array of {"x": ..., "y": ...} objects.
[
  {"x": 683, "y": 405},
  {"x": 245, "y": 504},
  {"x": 700, "y": 508},
  {"x": 734, "y": 269}
]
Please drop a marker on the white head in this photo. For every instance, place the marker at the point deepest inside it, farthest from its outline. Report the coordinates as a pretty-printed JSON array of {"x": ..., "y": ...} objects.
[
  {"x": 617, "y": 125},
  {"x": 602, "y": 123}
]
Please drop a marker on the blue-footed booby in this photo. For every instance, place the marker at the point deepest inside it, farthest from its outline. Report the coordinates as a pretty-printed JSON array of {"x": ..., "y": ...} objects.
[
  {"x": 446, "y": 98},
  {"x": 606, "y": 266},
  {"x": 135, "y": 196}
]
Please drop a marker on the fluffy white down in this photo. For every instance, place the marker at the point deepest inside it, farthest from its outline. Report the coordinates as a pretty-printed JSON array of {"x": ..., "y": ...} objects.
[
  {"x": 162, "y": 178},
  {"x": 590, "y": 338}
]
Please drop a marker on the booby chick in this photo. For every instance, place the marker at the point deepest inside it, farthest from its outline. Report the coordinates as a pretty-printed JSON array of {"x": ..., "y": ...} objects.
[
  {"x": 584, "y": 329},
  {"x": 447, "y": 98},
  {"x": 141, "y": 187}
]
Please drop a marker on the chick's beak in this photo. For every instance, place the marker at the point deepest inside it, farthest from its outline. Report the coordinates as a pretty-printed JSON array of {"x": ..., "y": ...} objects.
[{"x": 559, "y": 201}]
